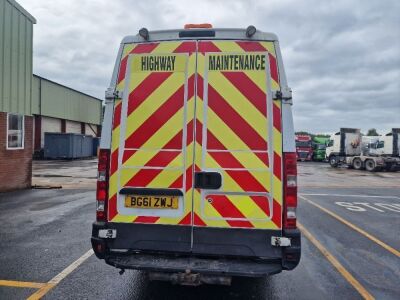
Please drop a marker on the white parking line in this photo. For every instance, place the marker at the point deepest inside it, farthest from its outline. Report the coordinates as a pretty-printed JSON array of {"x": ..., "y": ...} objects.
[
  {"x": 57, "y": 279},
  {"x": 358, "y": 196}
]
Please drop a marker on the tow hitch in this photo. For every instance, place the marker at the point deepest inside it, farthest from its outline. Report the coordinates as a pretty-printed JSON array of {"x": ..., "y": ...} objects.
[{"x": 190, "y": 279}]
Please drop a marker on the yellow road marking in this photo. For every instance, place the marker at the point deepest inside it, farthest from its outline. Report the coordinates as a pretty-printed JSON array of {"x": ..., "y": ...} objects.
[
  {"x": 354, "y": 227},
  {"x": 346, "y": 274},
  {"x": 22, "y": 284},
  {"x": 57, "y": 279}
]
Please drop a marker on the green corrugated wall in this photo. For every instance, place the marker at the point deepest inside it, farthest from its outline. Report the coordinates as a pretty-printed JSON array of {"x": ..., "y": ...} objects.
[
  {"x": 15, "y": 58},
  {"x": 58, "y": 101},
  {"x": 23, "y": 94}
]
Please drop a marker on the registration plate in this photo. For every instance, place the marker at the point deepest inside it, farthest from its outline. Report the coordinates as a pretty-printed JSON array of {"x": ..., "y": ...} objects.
[{"x": 137, "y": 201}]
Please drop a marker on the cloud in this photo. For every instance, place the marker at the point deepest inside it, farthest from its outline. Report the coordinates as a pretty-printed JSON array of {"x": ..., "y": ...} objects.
[{"x": 342, "y": 58}]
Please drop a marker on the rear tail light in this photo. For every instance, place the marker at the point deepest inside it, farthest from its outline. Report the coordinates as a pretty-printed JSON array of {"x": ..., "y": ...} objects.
[
  {"x": 102, "y": 185},
  {"x": 289, "y": 190}
]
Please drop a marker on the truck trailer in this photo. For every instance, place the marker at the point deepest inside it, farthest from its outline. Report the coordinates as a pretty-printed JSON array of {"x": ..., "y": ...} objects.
[
  {"x": 346, "y": 147},
  {"x": 197, "y": 178}
]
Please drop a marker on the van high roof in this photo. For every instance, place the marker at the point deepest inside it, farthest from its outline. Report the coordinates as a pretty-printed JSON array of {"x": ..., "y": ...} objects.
[{"x": 199, "y": 33}]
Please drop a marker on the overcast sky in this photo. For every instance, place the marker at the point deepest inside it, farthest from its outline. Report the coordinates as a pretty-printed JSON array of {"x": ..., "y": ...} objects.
[{"x": 342, "y": 58}]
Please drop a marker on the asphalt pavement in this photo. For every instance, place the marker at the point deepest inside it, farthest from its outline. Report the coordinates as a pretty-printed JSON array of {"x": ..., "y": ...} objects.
[{"x": 350, "y": 246}]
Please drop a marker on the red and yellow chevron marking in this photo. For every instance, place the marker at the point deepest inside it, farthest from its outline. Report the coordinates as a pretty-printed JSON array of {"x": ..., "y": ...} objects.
[
  {"x": 236, "y": 135},
  {"x": 237, "y": 141},
  {"x": 153, "y": 139}
]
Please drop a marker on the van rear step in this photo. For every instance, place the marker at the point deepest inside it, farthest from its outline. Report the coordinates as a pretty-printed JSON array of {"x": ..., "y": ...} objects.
[{"x": 193, "y": 265}]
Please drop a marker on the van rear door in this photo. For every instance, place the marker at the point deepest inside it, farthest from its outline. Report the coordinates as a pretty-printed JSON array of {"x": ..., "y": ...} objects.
[
  {"x": 239, "y": 149},
  {"x": 151, "y": 163},
  {"x": 196, "y": 163}
]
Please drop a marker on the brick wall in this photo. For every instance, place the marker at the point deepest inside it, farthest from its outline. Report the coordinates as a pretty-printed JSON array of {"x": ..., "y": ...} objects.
[{"x": 15, "y": 165}]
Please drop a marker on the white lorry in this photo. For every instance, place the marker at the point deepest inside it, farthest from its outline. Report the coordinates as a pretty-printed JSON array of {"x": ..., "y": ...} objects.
[
  {"x": 348, "y": 147},
  {"x": 368, "y": 144}
]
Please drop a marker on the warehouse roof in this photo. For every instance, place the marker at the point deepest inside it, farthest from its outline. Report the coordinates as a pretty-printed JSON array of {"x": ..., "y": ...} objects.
[
  {"x": 67, "y": 87},
  {"x": 22, "y": 10},
  {"x": 52, "y": 99}
]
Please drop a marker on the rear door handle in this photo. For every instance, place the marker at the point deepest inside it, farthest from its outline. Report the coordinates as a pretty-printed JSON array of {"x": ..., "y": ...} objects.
[{"x": 207, "y": 180}]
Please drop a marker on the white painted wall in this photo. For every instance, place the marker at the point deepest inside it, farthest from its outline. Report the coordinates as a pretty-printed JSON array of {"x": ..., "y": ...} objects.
[
  {"x": 90, "y": 129},
  {"x": 72, "y": 127},
  {"x": 49, "y": 125}
]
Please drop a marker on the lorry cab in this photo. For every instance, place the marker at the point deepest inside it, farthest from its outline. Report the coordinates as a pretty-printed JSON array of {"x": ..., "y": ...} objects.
[
  {"x": 304, "y": 148},
  {"x": 197, "y": 165},
  {"x": 319, "y": 152},
  {"x": 377, "y": 148},
  {"x": 319, "y": 148},
  {"x": 345, "y": 143},
  {"x": 329, "y": 145},
  {"x": 371, "y": 145},
  {"x": 389, "y": 144}
]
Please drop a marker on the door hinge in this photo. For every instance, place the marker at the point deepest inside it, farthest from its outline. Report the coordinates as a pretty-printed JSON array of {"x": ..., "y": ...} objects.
[
  {"x": 285, "y": 94},
  {"x": 280, "y": 241},
  {"x": 112, "y": 94}
]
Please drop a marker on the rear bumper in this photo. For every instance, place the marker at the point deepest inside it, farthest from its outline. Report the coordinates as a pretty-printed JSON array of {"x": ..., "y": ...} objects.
[
  {"x": 230, "y": 252},
  {"x": 191, "y": 264}
]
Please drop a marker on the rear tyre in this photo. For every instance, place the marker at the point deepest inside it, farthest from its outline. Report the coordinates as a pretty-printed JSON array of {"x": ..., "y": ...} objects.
[
  {"x": 333, "y": 161},
  {"x": 357, "y": 164},
  {"x": 370, "y": 165}
]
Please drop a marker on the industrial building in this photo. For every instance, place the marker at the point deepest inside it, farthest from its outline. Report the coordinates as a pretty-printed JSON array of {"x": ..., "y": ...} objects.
[
  {"x": 57, "y": 108},
  {"x": 31, "y": 105}
]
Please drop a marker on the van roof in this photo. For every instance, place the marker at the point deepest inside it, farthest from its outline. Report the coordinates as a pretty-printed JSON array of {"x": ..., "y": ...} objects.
[{"x": 220, "y": 33}]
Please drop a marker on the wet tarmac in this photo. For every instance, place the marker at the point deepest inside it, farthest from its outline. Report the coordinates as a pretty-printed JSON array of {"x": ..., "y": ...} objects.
[
  {"x": 45, "y": 231},
  {"x": 65, "y": 173}
]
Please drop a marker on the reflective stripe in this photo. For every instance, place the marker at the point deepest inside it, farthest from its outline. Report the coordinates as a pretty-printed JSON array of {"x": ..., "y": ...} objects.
[
  {"x": 239, "y": 139},
  {"x": 154, "y": 155}
]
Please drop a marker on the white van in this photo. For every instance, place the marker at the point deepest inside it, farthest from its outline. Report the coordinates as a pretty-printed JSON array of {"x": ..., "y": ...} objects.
[{"x": 197, "y": 166}]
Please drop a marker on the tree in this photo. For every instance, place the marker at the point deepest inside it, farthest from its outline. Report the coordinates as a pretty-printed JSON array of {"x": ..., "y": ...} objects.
[{"x": 372, "y": 132}]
